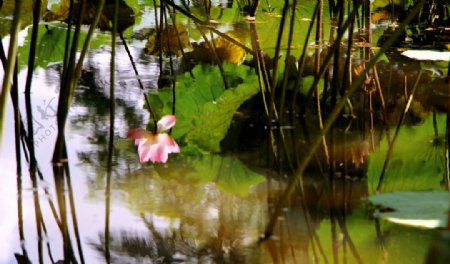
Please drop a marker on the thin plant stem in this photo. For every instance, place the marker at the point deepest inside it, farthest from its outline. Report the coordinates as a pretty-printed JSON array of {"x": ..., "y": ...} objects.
[
  {"x": 286, "y": 68},
  {"x": 71, "y": 79},
  {"x": 159, "y": 36},
  {"x": 301, "y": 62},
  {"x": 273, "y": 85},
  {"x": 382, "y": 103},
  {"x": 10, "y": 64},
  {"x": 328, "y": 57},
  {"x": 447, "y": 138},
  {"x": 67, "y": 41},
  {"x": 332, "y": 117},
  {"x": 172, "y": 71},
  {"x": 29, "y": 112},
  {"x": 367, "y": 20},
  {"x": 133, "y": 64},
  {"x": 219, "y": 61},
  {"x": 206, "y": 24},
  {"x": 64, "y": 92},
  {"x": 319, "y": 33}
]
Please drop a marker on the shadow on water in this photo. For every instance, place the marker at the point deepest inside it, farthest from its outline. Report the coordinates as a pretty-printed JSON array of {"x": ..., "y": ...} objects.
[{"x": 286, "y": 126}]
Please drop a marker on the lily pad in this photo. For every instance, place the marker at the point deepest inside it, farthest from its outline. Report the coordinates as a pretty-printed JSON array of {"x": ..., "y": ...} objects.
[{"x": 426, "y": 209}]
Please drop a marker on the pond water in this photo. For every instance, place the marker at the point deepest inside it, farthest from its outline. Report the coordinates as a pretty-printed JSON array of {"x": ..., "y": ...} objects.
[{"x": 212, "y": 202}]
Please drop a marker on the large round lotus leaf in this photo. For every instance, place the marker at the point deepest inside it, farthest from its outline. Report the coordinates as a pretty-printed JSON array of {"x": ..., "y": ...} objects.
[{"x": 427, "y": 209}]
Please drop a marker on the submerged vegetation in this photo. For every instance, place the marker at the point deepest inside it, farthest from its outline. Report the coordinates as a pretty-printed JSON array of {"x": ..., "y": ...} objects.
[{"x": 291, "y": 116}]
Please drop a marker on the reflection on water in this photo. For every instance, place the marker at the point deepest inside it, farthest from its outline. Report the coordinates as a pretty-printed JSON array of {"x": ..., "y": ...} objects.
[{"x": 215, "y": 208}]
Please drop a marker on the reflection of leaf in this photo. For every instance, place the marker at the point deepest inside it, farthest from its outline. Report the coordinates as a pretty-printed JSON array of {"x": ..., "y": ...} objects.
[
  {"x": 416, "y": 162},
  {"x": 228, "y": 173},
  {"x": 204, "y": 109},
  {"x": 425, "y": 209},
  {"x": 403, "y": 246}
]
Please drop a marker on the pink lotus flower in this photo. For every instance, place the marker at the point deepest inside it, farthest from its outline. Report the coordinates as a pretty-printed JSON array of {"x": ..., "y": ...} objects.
[{"x": 155, "y": 147}]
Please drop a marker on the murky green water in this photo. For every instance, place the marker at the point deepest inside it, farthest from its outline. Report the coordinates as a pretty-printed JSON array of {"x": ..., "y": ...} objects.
[{"x": 212, "y": 202}]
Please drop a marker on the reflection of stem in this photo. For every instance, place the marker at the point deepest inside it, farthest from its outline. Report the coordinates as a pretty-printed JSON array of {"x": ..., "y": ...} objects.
[
  {"x": 60, "y": 193},
  {"x": 73, "y": 212},
  {"x": 112, "y": 111},
  {"x": 25, "y": 139},
  {"x": 447, "y": 138},
  {"x": 343, "y": 226},
  {"x": 17, "y": 133},
  {"x": 333, "y": 217},
  {"x": 319, "y": 245},
  {"x": 71, "y": 73},
  {"x": 397, "y": 130},
  {"x": 435, "y": 125},
  {"x": 332, "y": 117},
  {"x": 27, "y": 143}
]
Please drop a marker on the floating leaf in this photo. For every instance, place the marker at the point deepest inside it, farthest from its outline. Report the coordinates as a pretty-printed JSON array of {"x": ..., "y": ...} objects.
[{"x": 427, "y": 209}]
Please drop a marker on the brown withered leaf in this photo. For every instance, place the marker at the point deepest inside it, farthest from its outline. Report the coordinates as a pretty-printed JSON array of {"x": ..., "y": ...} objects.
[
  {"x": 225, "y": 50},
  {"x": 172, "y": 39},
  {"x": 126, "y": 17}
]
